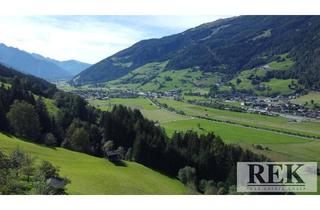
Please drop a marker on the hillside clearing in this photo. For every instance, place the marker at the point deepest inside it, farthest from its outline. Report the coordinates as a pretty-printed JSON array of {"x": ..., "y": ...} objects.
[{"x": 93, "y": 176}]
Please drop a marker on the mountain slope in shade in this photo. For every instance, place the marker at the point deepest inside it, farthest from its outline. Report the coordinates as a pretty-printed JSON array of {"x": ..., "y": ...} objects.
[
  {"x": 25, "y": 62},
  {"x": 73, "y": 67},
  {"x": 226, "y": 46}
]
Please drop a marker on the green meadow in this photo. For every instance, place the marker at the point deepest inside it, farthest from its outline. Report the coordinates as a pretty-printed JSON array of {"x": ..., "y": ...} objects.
[
  {"x": 96, "y": 176},
  {"x": 147, "y": 108},
  {"x": 311, "y": 98},
  {"x": 232, "y": 133},
  {"x": 256, "y": 120}
]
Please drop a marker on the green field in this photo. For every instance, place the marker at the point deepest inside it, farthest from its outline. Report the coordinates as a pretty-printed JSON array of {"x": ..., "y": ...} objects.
[
  {"x": 261, "y": 121},
  {"x": 134, "y": 103},
  {"x": 232, "y": 133},
  {"x": 92, "y": 175},
  {"x": 147, "y": 108},
  {"x": 315, "y": 96}
]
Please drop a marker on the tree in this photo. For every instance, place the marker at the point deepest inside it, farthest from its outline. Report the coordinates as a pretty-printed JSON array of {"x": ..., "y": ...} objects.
[
  {"x": 80, "y": 141},
  {"x": 24, "y": 120},
  {"x": 28, "y": 167},
  {"x": 42, "y": 112},
  {"x": 47, "y": 170},
  {"x": 44, "y": 185},
  {"x": 187, "y": 175},
  {"x": 3, "y": 118},
  {"x": 121, "y": 152},
  {"x": 128, "y": 155},
  {"x": 222, "y": 191},
  {"x": 22, "y": 163},
  {"x": 50, "y": 140}
]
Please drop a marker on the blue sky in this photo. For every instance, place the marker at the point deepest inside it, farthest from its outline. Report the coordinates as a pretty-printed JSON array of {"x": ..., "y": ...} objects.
[{"x": 89, "y": 38}]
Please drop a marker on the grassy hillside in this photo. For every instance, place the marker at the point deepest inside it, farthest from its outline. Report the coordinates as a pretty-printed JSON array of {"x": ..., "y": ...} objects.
[
  {"x": 310, "y": 99},
  {"x": 92, "y": 175},
  {"x": 154, "y": 77},
  {"x": 248, "y": 80}
]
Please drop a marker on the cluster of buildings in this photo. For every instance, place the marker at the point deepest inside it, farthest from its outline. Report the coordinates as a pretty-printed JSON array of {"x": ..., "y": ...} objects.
[
  {"x": 279, "y": 105},
  {"x": 103, "y": 94}
]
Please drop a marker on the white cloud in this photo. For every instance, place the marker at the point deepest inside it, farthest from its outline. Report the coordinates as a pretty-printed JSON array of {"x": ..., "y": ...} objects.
[{"x": 88, "y": 38}]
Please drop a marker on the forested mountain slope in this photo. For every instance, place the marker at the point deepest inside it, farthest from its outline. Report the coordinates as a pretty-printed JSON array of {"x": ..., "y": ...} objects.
[{"x": 226, "y": 46}]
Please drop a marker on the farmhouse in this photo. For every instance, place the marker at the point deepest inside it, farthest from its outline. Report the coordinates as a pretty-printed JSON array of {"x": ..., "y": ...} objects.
[
  {"x": 56, "y": 182},
  {"x": 113, "y": 155}
]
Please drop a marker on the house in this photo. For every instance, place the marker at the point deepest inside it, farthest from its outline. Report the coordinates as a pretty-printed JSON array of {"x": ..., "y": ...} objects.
[
  {"x": 56, "y": 182},
  {"x": 113, "y": 155}
]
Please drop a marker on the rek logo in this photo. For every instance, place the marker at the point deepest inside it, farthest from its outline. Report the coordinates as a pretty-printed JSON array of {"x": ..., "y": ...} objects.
[
  {"x": 279, "y": 174},
  {"x": 277, "y": 177}
]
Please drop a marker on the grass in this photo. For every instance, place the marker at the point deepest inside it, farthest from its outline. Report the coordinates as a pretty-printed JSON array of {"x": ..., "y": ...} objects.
[
  {"x": 168, "y": 80},
  {"x": 64, "y": 85},
  {"x": 51, "y": 107},
  {"x": 285, "y": 64},
  {"x": 154, "y": 77},
  {"x": 261, "y": 121},
  {"x": 243, "y": 81},
  {"x": 315, "y": 96},
  {"x": 231, "y": 133},
  {"x": 147, "y": 108},
  {"x": 279, "y": 86},
  {"x": 92, "y": 175},
  {"x": 134, "y": 103},
  {"x": 6, "y": 85},
  {"x": 274, "y": 86}
]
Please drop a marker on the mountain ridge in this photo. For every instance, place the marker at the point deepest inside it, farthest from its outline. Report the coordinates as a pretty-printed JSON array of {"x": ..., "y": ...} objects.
[
  {"x": 226, "y": 46},
  {"x": 38, "y": 65}
]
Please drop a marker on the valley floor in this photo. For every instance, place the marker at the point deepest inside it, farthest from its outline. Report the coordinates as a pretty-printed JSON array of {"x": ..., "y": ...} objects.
[{"x": 281, "y": 144}]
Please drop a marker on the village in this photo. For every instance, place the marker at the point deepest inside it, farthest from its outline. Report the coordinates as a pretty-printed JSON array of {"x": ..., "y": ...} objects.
[{"x": 271, "y": 106}]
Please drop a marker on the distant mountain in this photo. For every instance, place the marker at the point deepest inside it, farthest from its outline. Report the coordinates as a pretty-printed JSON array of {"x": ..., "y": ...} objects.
[
  {"x": 38, "y": 65},
  {"x": 225, "y": 47},
  {"x": 74, "y": 67}
]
